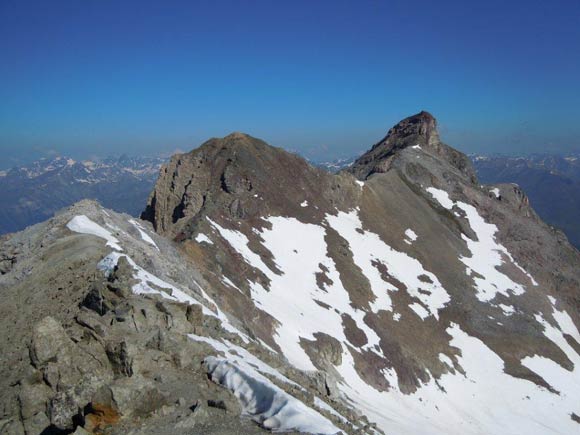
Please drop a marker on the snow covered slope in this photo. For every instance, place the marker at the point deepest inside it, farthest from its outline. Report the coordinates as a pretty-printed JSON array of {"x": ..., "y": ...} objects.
[{"x": 429, "y": 304}]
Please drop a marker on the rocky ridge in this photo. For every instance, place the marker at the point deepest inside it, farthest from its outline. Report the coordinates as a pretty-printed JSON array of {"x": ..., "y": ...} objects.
[
  {"x": 105, "y": 347},
  {"x": 551, "y": 181},
  {"x": 398, "y": 296}
]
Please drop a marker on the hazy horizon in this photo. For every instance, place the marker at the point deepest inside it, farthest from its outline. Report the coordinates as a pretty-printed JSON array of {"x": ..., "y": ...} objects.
[
  {"x": 327, "y": 77},
  {"x": 319, "y": 156}
]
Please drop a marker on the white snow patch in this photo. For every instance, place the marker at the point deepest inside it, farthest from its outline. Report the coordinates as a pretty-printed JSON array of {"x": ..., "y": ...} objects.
[
  {"x": 410, "y": 235},
  {"x": 360, "y": 183},
  {"x": 146, "y": 237},
  {"x": 419, "y": 310},
  {"x": 417, "y": 147},
  {"x": 484, "y": 401},
  {"x": 203, "y": 238},
  {"x": 486, "y": 253},
  {"x": 298, "y": 249},
  {"x": 265, "y": 402},
  {"x": 495, "y": 191},
  {"x": 566, "y": 382},
  {"x": 368, "y": 248},
  {"x": 243, "y": 358},
  {"x": 442, "y": 197},
  {"x": 304, "y": 204},
  {"x": 508, "y": 310},
  {"x": 82, "y": 224},
  {"x": 239, "y": 242}
]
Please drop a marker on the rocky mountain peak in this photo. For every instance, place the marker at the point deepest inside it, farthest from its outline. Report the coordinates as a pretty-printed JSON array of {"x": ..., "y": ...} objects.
[
  {"x": 422, "y": 124},
  {"x": 238, "y": 176},
  {"x": 236, "y": 139},
  {"x": 238, "y": 135},
  {"x": 418, "y": 132},
  {"x": 400, "y": 273}
]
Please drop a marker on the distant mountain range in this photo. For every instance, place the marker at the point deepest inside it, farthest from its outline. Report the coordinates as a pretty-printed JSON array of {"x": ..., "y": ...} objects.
[
  {"x": 31, "y": 194},
  {"x": 552, "y": 182},
  {"x": 336, "y": 165}
]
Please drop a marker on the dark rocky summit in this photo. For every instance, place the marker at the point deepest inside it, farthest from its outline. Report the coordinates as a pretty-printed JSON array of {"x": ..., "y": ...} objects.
[
  {"x": 398, "y": 296},
  {"x": 240, "y": 176},
  {"x": 420, "y": 131}
]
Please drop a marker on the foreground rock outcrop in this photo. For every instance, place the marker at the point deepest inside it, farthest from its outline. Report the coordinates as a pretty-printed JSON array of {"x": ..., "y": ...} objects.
[{"x": 96, "y": 345}]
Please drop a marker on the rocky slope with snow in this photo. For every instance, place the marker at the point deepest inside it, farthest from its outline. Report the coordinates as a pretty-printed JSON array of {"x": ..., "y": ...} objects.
[
  {"x": 394, "y": 278},
  {"x": 398, "y": 297},
  {"x": 552, "y": 183},
  {"x": 108, "y": 329}
]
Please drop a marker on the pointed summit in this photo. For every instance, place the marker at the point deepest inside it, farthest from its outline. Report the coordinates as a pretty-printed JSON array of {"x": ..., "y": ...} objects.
[
  {"x": 423, "y": 124},
  {"x": 417, "y": 131},
  {"x": 237, "y": 135},
  {"x": 238, "y": 175}
]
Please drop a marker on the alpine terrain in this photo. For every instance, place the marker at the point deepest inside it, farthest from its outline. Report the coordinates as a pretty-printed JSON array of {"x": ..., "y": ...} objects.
[
  {"x": 260, "y": 293},
  {"x": 32, "y": 194},
  {"x": 552, "y": 182}
]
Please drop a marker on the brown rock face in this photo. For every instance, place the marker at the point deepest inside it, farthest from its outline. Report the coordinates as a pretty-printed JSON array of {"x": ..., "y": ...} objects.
[
  {"x": 238, "y": 176},
  {"x": 419, "y": 130}
]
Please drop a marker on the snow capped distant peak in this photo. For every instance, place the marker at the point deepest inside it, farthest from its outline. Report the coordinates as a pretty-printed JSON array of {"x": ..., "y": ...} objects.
[{"x": 101, "y": 170}]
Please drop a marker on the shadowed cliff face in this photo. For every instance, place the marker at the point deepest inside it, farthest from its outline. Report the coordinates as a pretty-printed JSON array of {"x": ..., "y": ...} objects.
[{"x": 389, "y": 268}]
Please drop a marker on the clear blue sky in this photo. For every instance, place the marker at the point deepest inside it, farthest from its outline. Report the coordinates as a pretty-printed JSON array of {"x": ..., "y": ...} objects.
[{"x": 321, "y": 77}]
